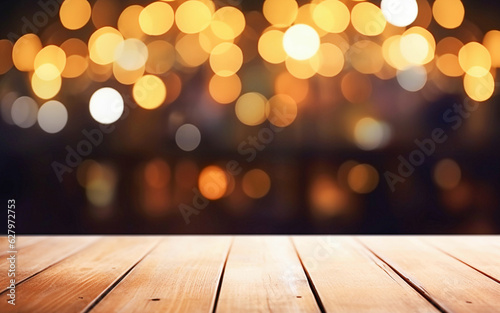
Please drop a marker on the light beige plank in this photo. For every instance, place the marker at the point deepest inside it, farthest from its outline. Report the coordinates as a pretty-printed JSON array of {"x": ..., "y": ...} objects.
[
  {"x": 264, "y": 274},
  {"x": 20, "y": 242},
  {"x": 452, "y": 285},
  {"x": 348, "y": 278},
  {"x": 180, "y": 275},
  {"x": 479, "y": 252},
  {"x": 41, "y": 254},
  {"x": 76, "y": 282}
]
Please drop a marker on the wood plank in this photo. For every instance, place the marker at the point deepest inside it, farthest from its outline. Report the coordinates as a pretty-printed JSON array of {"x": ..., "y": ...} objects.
[
  {"x": 180, "y": 275},
  {"x": 38, "y": 256},
  {"x": 21, "y": 242},
  {"x": 76, "y": 282},
  {"x": 479, "y": 252},
  {"x": 452, "y": 285},
  {"x": 264, "y": 274},
  {"x": 348, "y": 278}
]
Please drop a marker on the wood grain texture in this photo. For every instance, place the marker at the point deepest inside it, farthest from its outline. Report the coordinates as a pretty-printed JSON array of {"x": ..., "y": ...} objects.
[
  {"x": 180, "y": 275},
  {"x": 76, "y": 282},
  {"x": 264, "y": 274},
  {"x": 479, "y": 252},
  {"x": 452, "y": 285},
  {"x": 348, "y": 278},
  {"x": 39, "y": 255}
]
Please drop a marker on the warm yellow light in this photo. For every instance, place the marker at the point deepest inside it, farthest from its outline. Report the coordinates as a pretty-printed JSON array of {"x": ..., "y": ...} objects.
[
  {"x": 331, "y": 15},
  {"x": 280, "y": 13},
  {"x": 367, "y": 19},
  {"x": 490, "y": 41},
  {"x": 256, "y": 183},
  {"x": 270, "y": 46},
  {"x": 50, "y": 62},
  {"x": 414, "y": 48},
  {"x": 189, "y": 50},
  {"x": 208, "y": 40},
  {"x": 226, "y": 59},
  {"x": 391, "y": 51},
  {"x": 102, "y": 45},
  {"x": 303, "y": 69},
  {"x": 479, "y": 88},
  {"x": 251, "y": 108},
  {"x": 475, "y": 59},
  {"x": 76, "y": 57},
  {"x": 213, "y": 182},
  {"x": 301, "y": 42},
  {"x": 128, "y": 22},
  {"x": 416, "y": 55},
  {"x": 131, "y": 54},
  {"x": 156, "y": 18},
  {"x": 449, "y": 66},
  {"x": 281, "y": 110},
  {"x": 193, "y": 16},
  {"x": 149, "y": 92},
  {"x": 45, "y": 89},
  {"x": 224, "y": 89},
  {"x": 305, "y": 16},
  {"x": 24, "y": 52},
  {"x": 448, "y": 13},
  {"x": 127, "y": 77},
  {"x": 228, "y": 23},
  {"x": 74, "y": 14},
  {"x": 331, "y": 60}
]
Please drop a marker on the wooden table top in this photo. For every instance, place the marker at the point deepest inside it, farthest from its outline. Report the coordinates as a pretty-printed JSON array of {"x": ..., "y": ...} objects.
[{"x": 253, "y": 274}]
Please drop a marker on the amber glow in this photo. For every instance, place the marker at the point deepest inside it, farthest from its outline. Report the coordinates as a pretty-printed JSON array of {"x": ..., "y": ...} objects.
[
  {"x": 448, "y": 13},
  {"x": 213, "y": 182},
  {"x": 74, "y": 14}
]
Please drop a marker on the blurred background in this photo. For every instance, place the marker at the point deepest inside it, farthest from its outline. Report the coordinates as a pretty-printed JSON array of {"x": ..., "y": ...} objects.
[{"x": 250, "y": 116}]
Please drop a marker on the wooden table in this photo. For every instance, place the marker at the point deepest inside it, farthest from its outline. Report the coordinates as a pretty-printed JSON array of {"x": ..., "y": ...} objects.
[{"x": 254, "y": 274}]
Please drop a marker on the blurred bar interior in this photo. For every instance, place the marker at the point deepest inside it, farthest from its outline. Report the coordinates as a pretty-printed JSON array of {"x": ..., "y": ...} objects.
[{"x": 232, "y": 116}]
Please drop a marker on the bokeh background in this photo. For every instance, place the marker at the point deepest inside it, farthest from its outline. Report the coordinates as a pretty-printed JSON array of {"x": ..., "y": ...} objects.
[{"x": 323, "y": 169}]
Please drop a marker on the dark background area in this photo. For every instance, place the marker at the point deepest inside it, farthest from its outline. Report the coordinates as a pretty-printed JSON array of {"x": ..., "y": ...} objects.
[{"x": 46, "y": 206}]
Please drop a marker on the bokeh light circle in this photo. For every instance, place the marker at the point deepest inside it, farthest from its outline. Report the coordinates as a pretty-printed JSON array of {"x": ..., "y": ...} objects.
[
  {"x": 301, "y": 42},
  {"x": 256, "y": 183},
  {"x": 188, "y": 137},
  {"x": 24, "y": 112},
  {"x": 399, "y": 13},
  {"x": 52, "y": 116},
  {"x": 149, "y": 92},
  {"x": 106, "y": 105}
]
